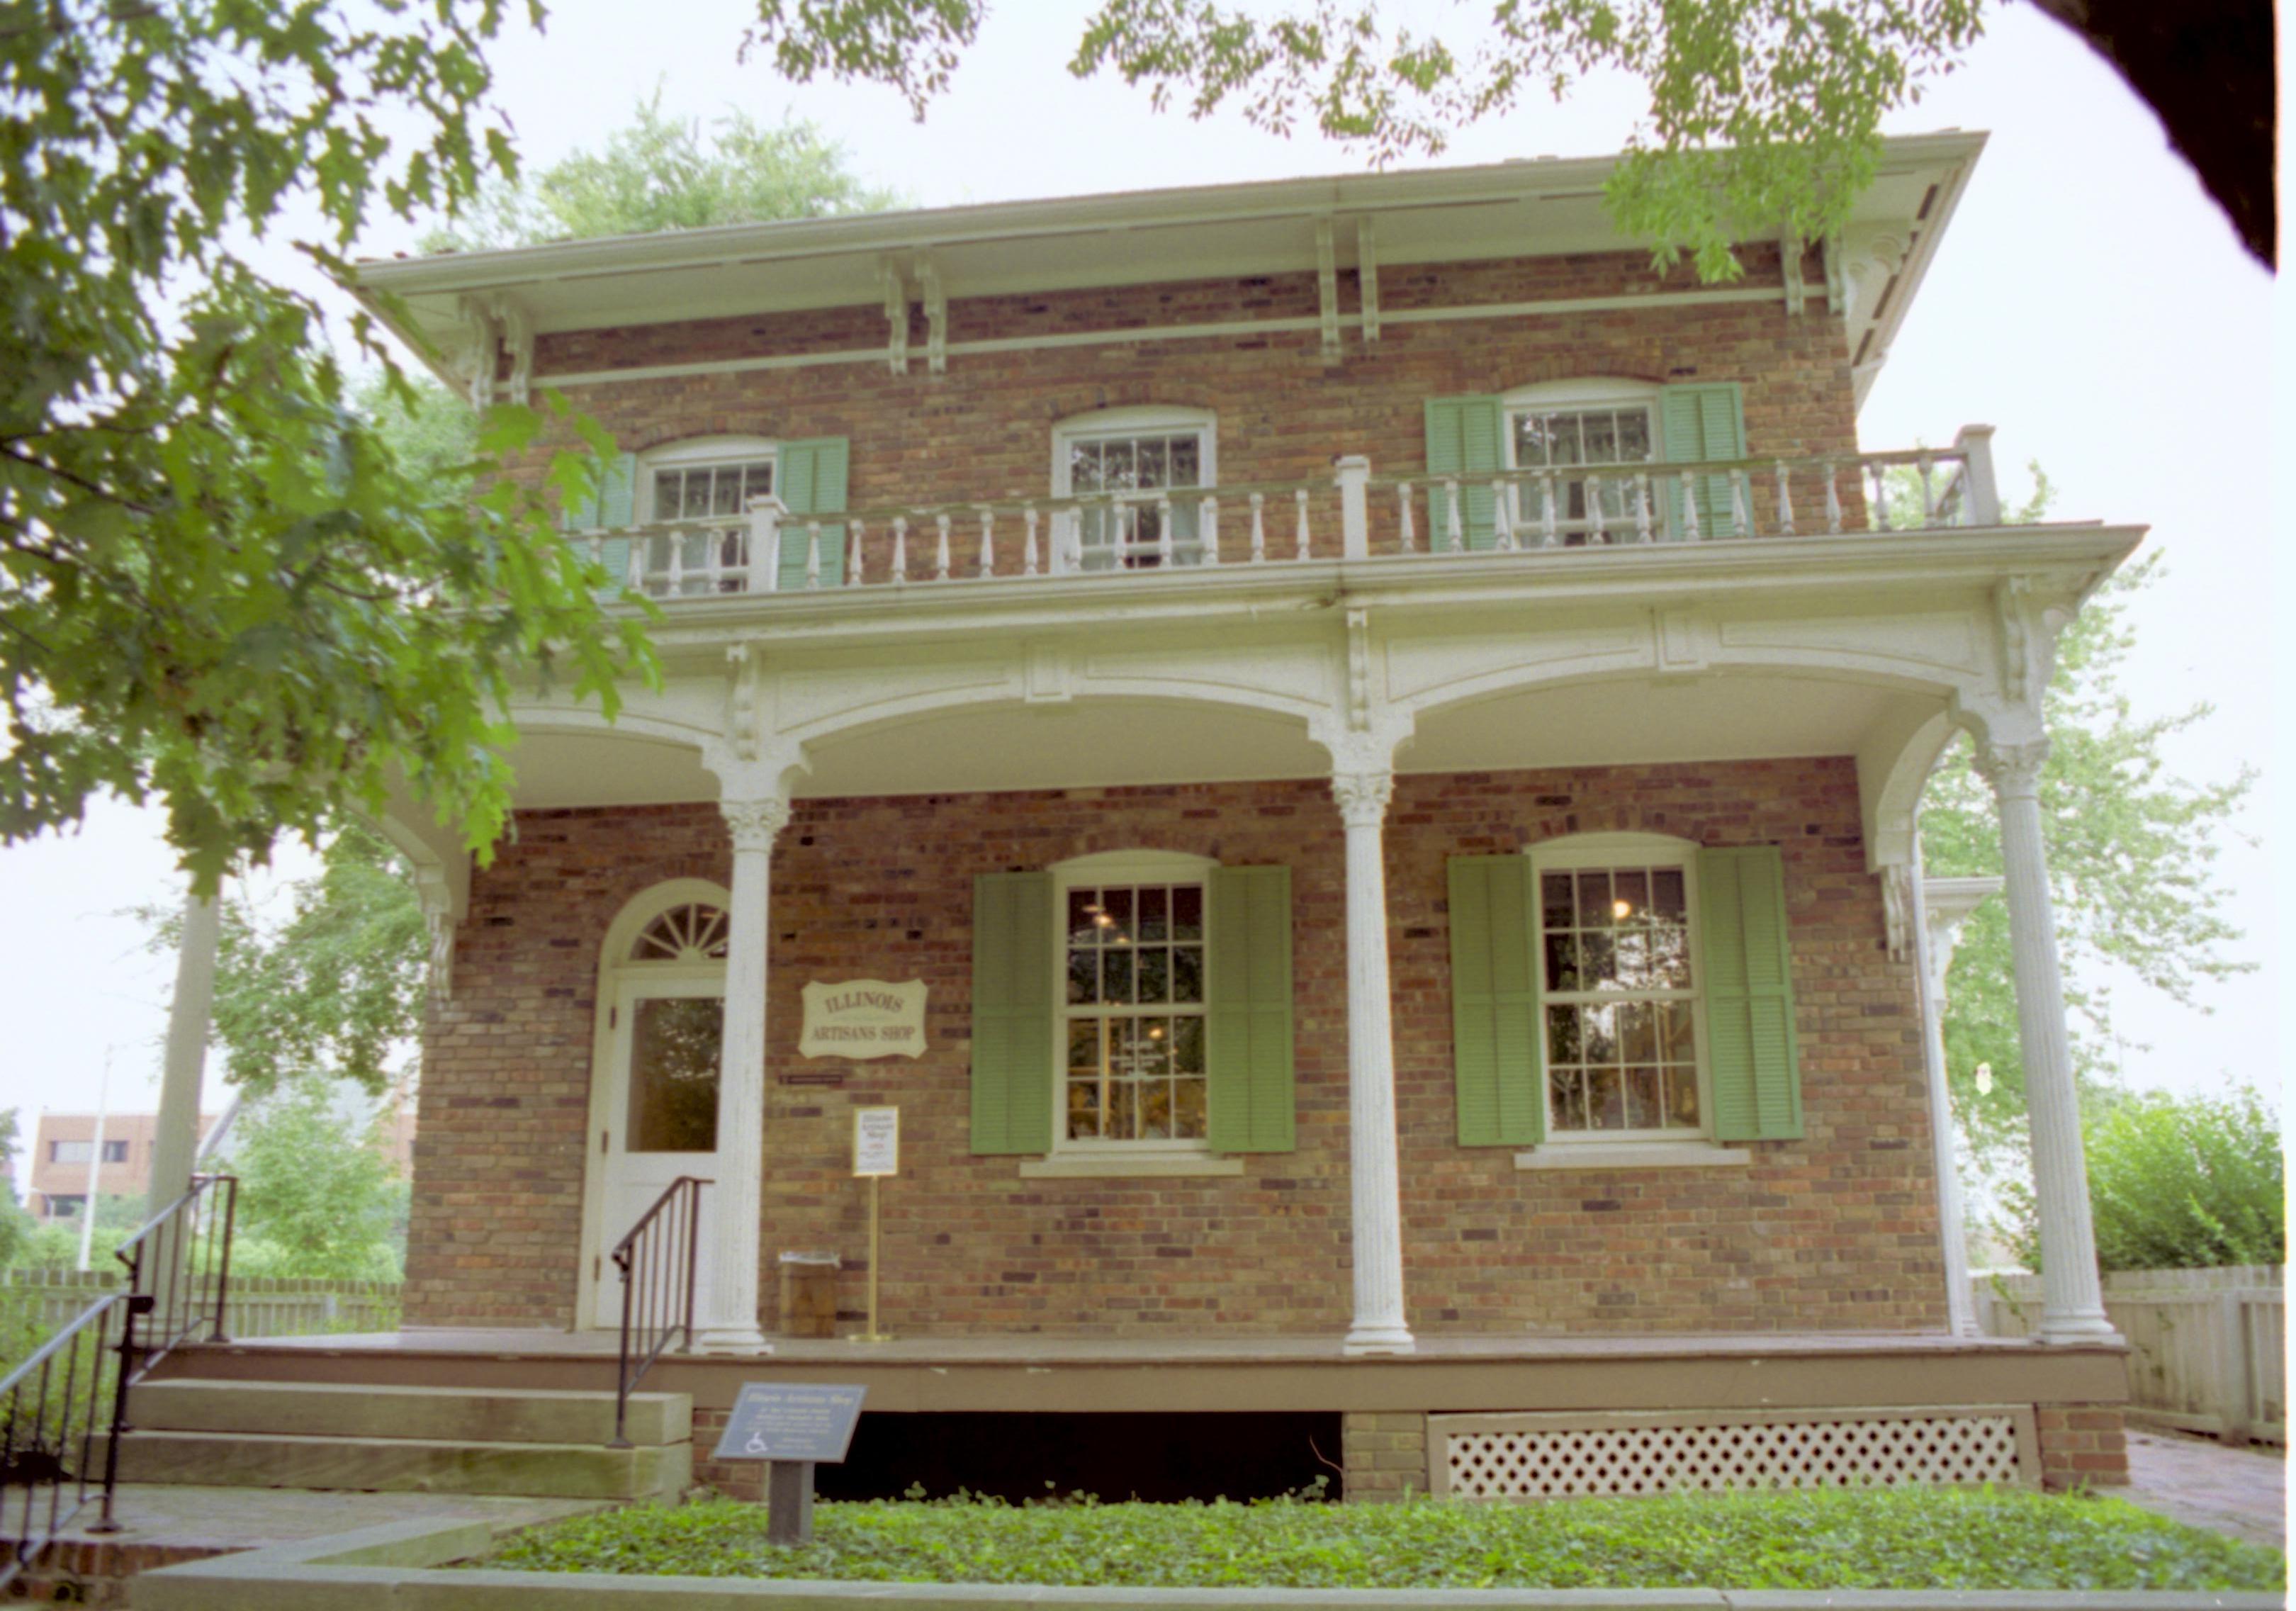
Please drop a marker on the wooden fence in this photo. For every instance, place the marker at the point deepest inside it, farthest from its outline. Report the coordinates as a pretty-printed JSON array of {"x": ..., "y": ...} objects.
[
  {"x": 259, "y": 1306},
  {"x": 2207, "y": 1348}
]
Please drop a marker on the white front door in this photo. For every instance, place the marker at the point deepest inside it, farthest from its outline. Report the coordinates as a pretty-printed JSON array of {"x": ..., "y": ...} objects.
[{"x": 660, "y": 1116}]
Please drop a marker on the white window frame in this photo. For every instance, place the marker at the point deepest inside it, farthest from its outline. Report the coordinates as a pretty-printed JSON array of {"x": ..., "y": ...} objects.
[
  {"x": 1121, "y": 867},
  {"x": 700, "y": 453},
  {"x": 1577, "y": 852},
  {"x": 1147, "y": 419},
  {"x": 1528, "y": 516}
]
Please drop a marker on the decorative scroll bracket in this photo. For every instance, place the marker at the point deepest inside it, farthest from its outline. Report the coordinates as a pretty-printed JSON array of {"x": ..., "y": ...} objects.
[
  {"x": 1327, "y": 280},
  {"x": 897, "y": 319}
]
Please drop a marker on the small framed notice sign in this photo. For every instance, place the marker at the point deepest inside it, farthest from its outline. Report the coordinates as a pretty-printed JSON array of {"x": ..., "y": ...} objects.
[
  {"x": 791, "y": 1425},
  {"x": 876, "y": 1142}
]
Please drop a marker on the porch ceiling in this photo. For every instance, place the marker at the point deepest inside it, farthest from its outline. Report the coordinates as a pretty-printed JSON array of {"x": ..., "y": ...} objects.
[
  {"x": 1102, "y": 743},
  {"x": 1647, "y": 720}
]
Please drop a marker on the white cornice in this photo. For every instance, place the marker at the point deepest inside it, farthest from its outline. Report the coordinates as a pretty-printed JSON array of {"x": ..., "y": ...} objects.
[{"x": 1504, "y": 210}]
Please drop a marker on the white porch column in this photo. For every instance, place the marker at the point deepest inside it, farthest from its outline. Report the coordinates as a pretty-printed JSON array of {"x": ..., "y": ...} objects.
[
  {"x": 1939, "y": 908},
  {"x": 2072, "y": 1300},
  {"x": 1378, "y": 1204},
  {"x": 176, "y": 1143},
  {"x": 735, "y": 1203}
]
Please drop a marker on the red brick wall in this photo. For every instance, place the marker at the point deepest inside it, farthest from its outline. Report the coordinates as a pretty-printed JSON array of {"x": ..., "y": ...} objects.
[
  {"x": 1834, "y": 1231},
  {"x": 982, "y": 430},
  {"x": 2082, "y": 1445}
]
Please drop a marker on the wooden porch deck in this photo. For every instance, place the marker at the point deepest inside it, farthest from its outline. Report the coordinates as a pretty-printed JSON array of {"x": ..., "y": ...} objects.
[{"x": 1026, "y": 1373}]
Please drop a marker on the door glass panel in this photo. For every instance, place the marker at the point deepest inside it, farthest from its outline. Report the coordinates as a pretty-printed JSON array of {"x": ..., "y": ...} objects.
[{"x": 674, "y": 1046}]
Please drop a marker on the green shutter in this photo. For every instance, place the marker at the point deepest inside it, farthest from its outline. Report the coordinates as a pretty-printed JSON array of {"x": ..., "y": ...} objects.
[
  {"x": 1012, "y": 922},
  {"x": 1701, "y": 423},
  {"x": 811, "y": 477},
  {"x": 1247, "y": 1009},
  {"x": 1750, "y": 1010},
  {"x": 609, "y": 509},
  {"x": 1499, "y": 1078},
  {"x": 1463, "y": 440}
]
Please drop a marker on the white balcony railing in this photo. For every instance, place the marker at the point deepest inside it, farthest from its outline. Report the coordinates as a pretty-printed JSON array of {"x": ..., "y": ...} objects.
[{"x": 1354, "y": 516}]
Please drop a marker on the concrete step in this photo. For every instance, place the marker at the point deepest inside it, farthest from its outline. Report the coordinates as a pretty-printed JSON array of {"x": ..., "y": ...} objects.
[
  {"x": 401, "y": 1464},
  {"x": 439, "y": 1414}
]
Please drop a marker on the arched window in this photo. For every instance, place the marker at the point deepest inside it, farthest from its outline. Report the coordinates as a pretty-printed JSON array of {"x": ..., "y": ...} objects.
[
  {"x": 1571, "y": 426},
  {"x": 697, "y": 494},
  {"x": 1131, "y": 465},
  {"x": 691, "y": 933}
]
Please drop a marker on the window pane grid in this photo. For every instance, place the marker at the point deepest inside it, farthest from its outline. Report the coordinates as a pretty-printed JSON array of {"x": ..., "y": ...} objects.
[
  {"x": 1134, "y": 964},
  {"x": 1130, "y": 533},
  {"x": 1620, "y": 1000},
  {"x": 717, "y": 493},
  {"x": 1564, "y": 439}
]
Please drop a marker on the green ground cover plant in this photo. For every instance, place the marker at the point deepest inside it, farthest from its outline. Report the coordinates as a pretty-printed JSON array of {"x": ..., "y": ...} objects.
[{"x": 1899, "y": 1539}]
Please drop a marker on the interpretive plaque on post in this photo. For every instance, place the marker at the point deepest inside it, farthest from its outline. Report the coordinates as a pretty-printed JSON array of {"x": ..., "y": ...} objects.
[{"x": 791, "y": 1425}]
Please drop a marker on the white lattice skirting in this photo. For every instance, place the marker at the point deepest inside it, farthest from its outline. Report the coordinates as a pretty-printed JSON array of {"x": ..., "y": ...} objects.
[{"x": 1561, "y": 1456}]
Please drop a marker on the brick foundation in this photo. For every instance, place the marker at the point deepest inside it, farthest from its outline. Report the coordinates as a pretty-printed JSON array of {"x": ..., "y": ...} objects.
[
  {"x": 1834, "y": 1231},
  {"x": 2082, "y": 1445},
  {"x": 1385, "y": 1456}
]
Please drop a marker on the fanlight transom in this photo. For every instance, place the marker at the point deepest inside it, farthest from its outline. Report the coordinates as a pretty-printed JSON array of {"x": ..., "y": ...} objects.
[{"x": 691, "y": 933}]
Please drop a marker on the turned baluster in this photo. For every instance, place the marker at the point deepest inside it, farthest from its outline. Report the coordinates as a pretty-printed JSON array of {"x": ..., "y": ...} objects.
[
  {"x": 1208, "y": 519},
  {"x": 900, "y": 550},
  {"x": 1597, "y": 533},
  {"x": 1166, "y": 552},
  {"x": 855, "y": 549},
  {"x": 1929, "y": 493},
  {"x": 677, "y": 563},
  {"x": 1258, "y": 530},
  {"x": 1456, "y": 533},
  {"x": 1689, "y": 508},
  {"x": 1300, "y": 501},
  {"x": 634, "y": 573},
  {"x": 1028, "y": 539},
  {"x": 1741, "y": 514},
  {"x": 1881, "y": 522},
  {"x": 1642, "y": 507},
  {"x": 940, "y": 554},
  {"x": 987, "y": 541},
  {"x": 1502, "y": 518},
  {"x": 1832, "y": 498},
  {"x": 1785, "y": 501},
  {"x": 1408, "y": 538},
  {"x": 1550, "y": 533},
  {"x": 812, "y": 555}
]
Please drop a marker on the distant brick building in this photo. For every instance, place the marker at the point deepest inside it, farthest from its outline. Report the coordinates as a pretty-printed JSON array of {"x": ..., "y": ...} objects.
[{"x": 63, "y": 1144}]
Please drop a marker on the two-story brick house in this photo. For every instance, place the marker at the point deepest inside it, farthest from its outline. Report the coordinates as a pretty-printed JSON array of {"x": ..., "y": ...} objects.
[{"x": 1389, "y": 734}]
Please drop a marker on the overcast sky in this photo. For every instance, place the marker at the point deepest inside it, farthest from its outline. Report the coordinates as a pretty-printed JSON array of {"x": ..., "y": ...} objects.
[{"x": 2088, "y": 301}]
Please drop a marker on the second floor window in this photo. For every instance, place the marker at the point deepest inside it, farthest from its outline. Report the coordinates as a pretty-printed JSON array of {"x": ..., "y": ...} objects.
[
  {"x": 80, "y": 1152},
  {"x": 1135, "y": 469},
  {"x": 702, "y": 489},
  {"x": 1552, "y": 430}
]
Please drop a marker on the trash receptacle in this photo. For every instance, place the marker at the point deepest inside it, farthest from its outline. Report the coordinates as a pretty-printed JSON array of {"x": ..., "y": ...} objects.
[{"x": 808, "y": 1294}]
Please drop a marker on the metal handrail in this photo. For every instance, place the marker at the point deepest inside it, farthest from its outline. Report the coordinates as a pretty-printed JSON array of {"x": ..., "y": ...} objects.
[
  {"x": 179, "y": 1275},
  {"x": 37, "y": 1441},
  {"x": 657, "y": 1300},
  {"x": 180, "y": 1258}
]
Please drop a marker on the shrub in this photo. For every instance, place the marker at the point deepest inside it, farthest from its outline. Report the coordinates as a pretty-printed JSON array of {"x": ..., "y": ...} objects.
[{"x": 2178, "y": 1183}]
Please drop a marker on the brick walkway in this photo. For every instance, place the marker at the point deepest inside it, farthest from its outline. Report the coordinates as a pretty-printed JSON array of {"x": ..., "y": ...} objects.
[{"x": 2243, "y": 1491}]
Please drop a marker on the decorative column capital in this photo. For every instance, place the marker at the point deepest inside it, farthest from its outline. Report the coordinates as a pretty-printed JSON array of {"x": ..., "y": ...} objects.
[
  {"x": 755, "y": 823},
  {"x": 2013, "y": 770},
  {"x": 1362, "y": 797}
]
